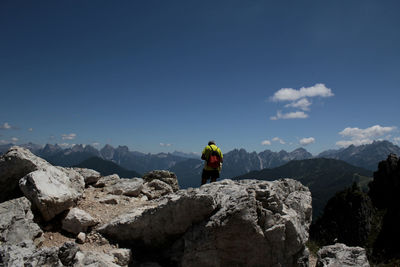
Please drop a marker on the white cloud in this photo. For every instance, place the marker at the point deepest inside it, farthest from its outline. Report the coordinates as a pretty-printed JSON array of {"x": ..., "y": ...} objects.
[
  {"x": 165, "y": 145},
  {"x": 277, "y": 139},
  {"x": 266, "y": 143},
  {"x": 307, "y": 141},
  {"x": 96, "y": 144},
  {"x": 70, "y": 136},
  {"x": 3, "y": 142},
  {"x": 289, "y": 115},
  {"x": 30, "y": 129},
  {"x": 6, "y": 126},
  {"x": 302, "y": 104},
  {"x": 290, "y": 94},
  {"x": 363, "y": 136},
  {"x": 14, "y": 140},
  {"x": 371, "y": 132},
  {"x": 299, "y": 99}
]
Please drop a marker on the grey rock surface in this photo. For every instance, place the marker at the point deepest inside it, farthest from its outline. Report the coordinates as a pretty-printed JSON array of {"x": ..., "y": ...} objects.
[
  {"x": 123, "y": 256},
  {"x": 52, "y": 190},
  {"x": 128, "y": 187},
  {"x": 163, "y": 175},
  {"x": 67, "y": 253},
  {"x": 108, "y": 180},
  {"x": 340, "y": 255},
  {"x": 16, "y": 222},
  {"x": 245, "y": 223},
  {"x": 156, "y": 188},
  {"x": 90, "y": 176},
  {"x": 14, "y": 165},
  {"x": 77, "y": 221},
  {"x": 27, "y": 255},
  {"x": 94, "y": 259}
]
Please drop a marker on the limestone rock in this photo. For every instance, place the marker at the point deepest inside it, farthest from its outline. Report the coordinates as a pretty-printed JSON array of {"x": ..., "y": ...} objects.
[
  {"x": 244, "y": 223},
  {"x": 165, "y": 176},
  {"x": 52, "y": 190},
  {"x": 122, "y": 255},
  {"x": 16, "y": 222},
  {"x": 14, "y": 165},
  {"x": 77, "y": 221},
  {"x": 107, "y": 180},
  {"x": 340, "y": 255},
  {"x": 25, "y": 254},
  {"x": 67, "y": 253},
  {"x": 90, "y": 176},
  {"x": 156, "y": 188},
  {"x": 94, "y": 259},
  {"x": 128, "y": 187}
]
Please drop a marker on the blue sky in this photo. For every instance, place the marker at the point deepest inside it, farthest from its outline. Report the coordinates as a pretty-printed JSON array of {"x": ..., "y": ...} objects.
[{"x": 171, "y": 75}]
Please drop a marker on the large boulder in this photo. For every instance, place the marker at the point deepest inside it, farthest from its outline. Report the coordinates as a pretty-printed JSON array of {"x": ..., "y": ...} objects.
[
  {"x": 340, "y": 255},
  {"x": 128, "y": 187},
  {"x": 244, "y": 223},
  {"x": 156, "y": 188},
  {"x": 16, "y": 222},
  {"x": 52, "y": 190},
  {"x": 165, "y": 176},
  {"x": 14, "y": 165},
  {"x": 107, "y": 181},
  {"x": 90, "y": 176}
]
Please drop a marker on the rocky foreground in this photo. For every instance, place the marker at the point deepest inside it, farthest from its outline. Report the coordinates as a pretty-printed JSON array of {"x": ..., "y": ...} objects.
[{"x": 53, "y": 216}]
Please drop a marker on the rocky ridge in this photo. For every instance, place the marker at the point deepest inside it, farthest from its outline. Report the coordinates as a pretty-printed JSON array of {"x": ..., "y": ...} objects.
[{"x": 57, "y": 216}]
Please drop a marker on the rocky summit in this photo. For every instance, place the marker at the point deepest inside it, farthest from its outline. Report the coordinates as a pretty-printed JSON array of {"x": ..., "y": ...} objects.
[{"x": 53, "y": 216}]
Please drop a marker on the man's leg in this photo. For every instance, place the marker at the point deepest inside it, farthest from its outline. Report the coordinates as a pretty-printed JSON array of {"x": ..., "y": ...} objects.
[
  {"x": 214, "y": 176},
  {"x": 204, "y": 177}
]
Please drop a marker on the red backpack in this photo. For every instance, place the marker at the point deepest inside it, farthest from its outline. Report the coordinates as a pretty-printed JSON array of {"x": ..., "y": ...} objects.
[{"x": 214, "y": 159}]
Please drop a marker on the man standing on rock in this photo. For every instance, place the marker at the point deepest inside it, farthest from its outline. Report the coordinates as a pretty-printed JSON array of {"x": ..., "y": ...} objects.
[{"x": 214, "y": 158}]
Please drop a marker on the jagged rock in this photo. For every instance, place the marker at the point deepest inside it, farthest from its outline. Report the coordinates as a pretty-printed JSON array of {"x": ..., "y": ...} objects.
[
  {"x": 107, "y": 180},
  {"x": 244, "y": 223},
  {"x": 156, "y": 188},
  {"x": 16, "y": 222},
  {"x": 128, "y": 187},
  {"x": 122, "y": 255},
  {"x": 76, "y": 180},
  {"x": 90, "y": 176},
  {"x": 77, "y": 221},
  {"x": 165, "y": 176},
  {"x": 14, "y": 165},
  {"x": 384, "y": 193},
  {"x": 340, "y": 255},
  {"x": 94, "y": 259},
  {"x": 67, "y": 253},
  {"x": 26, "y": 254},
  {"x": 52, "y": 190}
]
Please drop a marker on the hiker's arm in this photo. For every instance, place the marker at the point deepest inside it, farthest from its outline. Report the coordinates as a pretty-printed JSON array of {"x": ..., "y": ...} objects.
[{"x": 203, "y": 156}]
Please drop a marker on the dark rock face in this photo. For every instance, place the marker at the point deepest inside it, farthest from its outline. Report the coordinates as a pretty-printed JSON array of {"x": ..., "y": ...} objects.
[
  {"x": 347, "y": 218},
  {"x": 343, "y": 256},
  {"x": 385, "y": 194}
]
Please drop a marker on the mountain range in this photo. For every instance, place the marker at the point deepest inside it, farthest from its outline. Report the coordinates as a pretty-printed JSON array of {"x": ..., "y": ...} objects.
[
  {"x": 324, "y": 177},
  {"x": 188, "y": 168}
]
